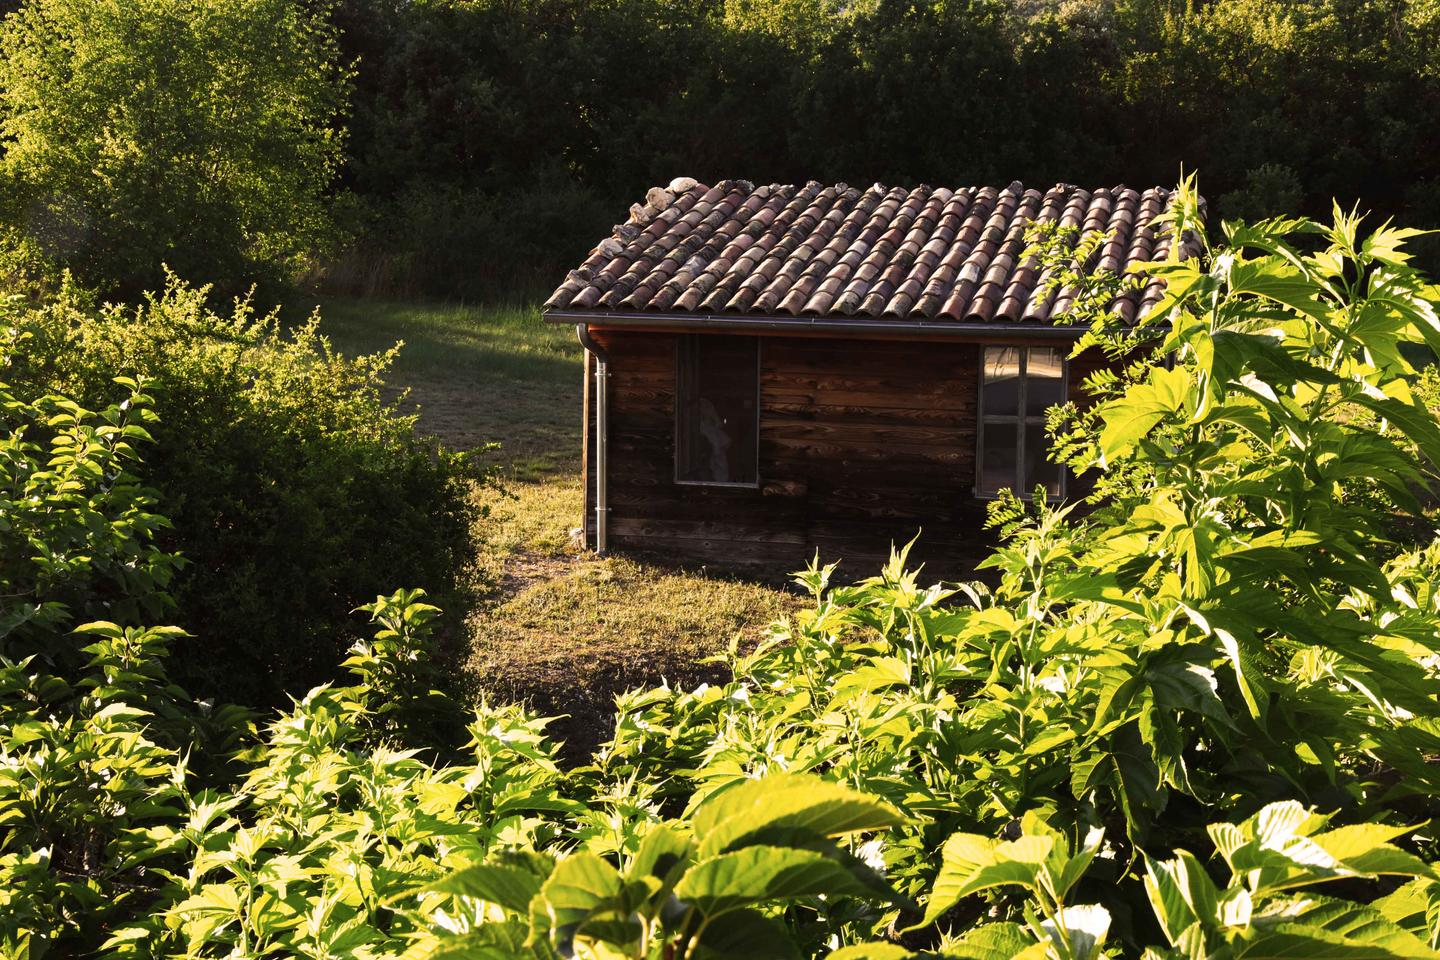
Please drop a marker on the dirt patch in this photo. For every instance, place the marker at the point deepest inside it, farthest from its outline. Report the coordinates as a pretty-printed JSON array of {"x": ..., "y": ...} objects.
[
  {"x": 525, "y": 569},
  {"x": 578, "y": 630}
]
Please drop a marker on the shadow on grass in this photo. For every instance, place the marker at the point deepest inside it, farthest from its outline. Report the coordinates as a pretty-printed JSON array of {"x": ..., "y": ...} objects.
[
  {"x": 477, "y": 375},
  {"x": 506, "y": 340}
]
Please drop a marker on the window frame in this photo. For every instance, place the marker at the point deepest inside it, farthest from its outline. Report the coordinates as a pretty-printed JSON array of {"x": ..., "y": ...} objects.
[
  {"x": 1020, "y": 419},
  {"x": 681, "y": 343}
]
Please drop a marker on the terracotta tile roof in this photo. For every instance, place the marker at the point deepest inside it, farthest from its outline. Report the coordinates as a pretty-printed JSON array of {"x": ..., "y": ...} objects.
[{"x": 929, "y": 253}]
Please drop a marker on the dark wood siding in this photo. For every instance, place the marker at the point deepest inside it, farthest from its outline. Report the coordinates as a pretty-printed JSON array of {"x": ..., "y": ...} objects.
[{"x": 861, "y": 443}]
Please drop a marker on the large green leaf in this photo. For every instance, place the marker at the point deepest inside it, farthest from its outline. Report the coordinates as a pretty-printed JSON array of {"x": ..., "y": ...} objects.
[
  {"x": 1300, "y": 941},
  {"x": 510, "y": 887},
  {"x": 492, "y": 941},
  {"x": 864, "y": 873},
  {"x": 585, "y": 898},
  {"x": 1144, "y": 405},
  {"x": 1359, "y": 923},
  {"x": 1276, "y": 279},
  {"x": 1073, "y": 868},
  {"x": 1181, "y": 894},
  {"x": 1282, "y": 847},
  {"x": 1365, "y": 848},
  {"x": 747, "y": 935},
  {"x": 991, "y": 941},
  {"x": 755, "y": 875},
  {"x": 663, "y": 853},
  {"x": 1411, "y": 906},
  {"x": 1386, "y": 243},
  {"x": 1415, "y": 422},
  {"x": 971, "y": 863},
  {"x": 826, "y": 809}
]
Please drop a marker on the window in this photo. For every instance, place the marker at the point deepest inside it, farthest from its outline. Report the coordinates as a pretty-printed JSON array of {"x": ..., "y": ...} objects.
[
  {"x": 1018, "y": 384},
  {"x": 717, "y": 410}
]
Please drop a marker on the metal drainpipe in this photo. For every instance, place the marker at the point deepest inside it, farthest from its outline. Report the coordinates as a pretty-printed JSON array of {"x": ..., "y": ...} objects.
[{"x": 602, "y": 432}]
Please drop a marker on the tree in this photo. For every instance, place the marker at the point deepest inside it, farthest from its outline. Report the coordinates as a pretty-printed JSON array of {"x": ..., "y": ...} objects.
[{"x": 200, "y": 133}]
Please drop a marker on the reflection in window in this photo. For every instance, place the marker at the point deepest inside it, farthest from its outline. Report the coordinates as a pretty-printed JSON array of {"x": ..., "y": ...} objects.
[
  {"x": 1018, "y": 384},
  {"x": 717, "y": 426}
]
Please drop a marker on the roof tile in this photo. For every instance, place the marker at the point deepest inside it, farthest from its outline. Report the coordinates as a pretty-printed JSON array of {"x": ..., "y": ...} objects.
[{"x": 928, "y": 253}]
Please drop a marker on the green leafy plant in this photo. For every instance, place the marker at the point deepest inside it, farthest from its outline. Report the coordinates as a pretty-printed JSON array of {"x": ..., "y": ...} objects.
[
  {"x": 88, "y": 752},
  {"x": 1280, "y": 851},
  {"x": 66, "y": 470},
  {"x": 691, "y": 889},
  {"x": 1196, "y": 719},
  {"x": 1231, "y": 624}
]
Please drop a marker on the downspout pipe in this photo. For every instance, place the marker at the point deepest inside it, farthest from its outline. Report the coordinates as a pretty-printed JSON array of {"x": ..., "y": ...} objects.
[{"x": 602, "y": 433}]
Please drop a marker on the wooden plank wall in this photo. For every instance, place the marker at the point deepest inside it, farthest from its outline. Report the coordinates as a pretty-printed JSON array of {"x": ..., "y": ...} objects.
[{"x": 861, "y": 443}]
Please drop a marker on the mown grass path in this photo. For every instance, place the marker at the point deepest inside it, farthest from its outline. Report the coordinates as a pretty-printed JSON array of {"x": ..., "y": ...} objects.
[{"x": 553, "y": 625}]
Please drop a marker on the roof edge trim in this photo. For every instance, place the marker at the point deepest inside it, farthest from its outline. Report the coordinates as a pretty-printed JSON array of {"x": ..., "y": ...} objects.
[{"x": 787, "y": 324}]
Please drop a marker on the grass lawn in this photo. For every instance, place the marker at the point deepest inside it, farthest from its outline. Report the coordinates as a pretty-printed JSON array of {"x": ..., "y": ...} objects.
[
  {"x": 562, "y": 629},
  {"x": 479, "y": 374}
]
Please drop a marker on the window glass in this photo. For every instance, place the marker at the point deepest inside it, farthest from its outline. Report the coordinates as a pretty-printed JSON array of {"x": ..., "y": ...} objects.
[
  {"x": 1018, "y": 385},
  {"x": 1038, "y": 468},
  {"x": 1002, "y": 380},
  {"x": 717, "y": 415},
  {"x": 997, "y": 456},
  {"x": 1044, "y": 380}
]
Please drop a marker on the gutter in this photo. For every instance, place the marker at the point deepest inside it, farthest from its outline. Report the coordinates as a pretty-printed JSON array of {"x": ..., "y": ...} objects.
[
  {"x": 602, "y": 432},
  {"x": 940, "y": 329}
]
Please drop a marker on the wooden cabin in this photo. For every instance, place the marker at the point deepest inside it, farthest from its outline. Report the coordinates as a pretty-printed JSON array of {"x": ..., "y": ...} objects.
[{"x": 778, "y": 369}]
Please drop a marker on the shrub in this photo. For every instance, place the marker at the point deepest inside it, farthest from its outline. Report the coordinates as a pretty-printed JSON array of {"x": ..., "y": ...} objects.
[
  {"x": 140, "y": 132},
  {"x": 53, "y": 567},
  {"x": 88, "y": 723},
  {"x": 296, "y": 492},
  {"x": 1270, "y": 190}
]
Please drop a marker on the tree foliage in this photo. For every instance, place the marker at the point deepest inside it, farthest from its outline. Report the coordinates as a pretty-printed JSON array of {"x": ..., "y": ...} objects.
[
  {"x": 486, "y": 143},
  {"x": 137, "y": 133},
  {"x": 494, "y": 141}
]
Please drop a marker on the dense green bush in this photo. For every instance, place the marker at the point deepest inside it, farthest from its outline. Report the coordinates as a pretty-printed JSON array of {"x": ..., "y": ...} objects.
[
  {"x": 514, "y": 108},
  {"x": 297, "y": 493},
  {"x": 55, "y": 566},
  {"x": 1198, "y": 721},
  {"x": 466, "y": 241},
  {"x": 203, "y": 134}
]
